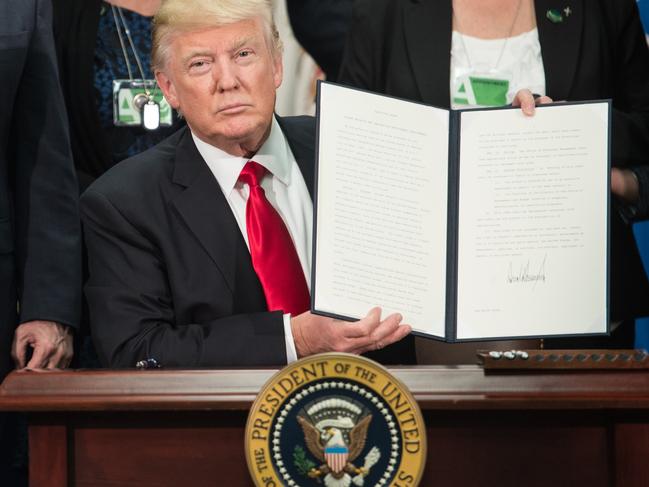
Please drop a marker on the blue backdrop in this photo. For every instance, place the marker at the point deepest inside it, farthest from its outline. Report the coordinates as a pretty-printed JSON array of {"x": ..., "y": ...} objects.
[
  {"x": 644, "y": 12},
  {"x": 642, "y": 229}
]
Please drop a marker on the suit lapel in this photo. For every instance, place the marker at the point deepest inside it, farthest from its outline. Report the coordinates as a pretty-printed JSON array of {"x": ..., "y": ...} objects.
[
  {"x": 427, "y": 29},
  {"x": 306, "y": 164},
  {"x": 560, "y": 44},
  {"x": 205, "y": 210}
]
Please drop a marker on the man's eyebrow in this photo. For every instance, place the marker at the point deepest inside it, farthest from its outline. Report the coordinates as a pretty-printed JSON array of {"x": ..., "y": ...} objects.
[
  {"x": 236, "y": 45},
  {"x": 239, "y": 43}
]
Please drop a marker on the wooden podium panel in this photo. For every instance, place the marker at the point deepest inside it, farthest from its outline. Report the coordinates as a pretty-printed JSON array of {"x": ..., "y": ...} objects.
[{"x": 174, "y": 428}]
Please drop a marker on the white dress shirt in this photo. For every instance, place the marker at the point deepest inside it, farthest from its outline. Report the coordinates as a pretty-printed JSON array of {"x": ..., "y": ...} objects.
[{"x": 285, "y": 189}]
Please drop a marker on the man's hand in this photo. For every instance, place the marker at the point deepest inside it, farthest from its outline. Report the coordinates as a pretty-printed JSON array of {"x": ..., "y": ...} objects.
[
  {"x": 316, "y": 334},
  {"x": 51, "y": 345},
  {"x": 525, "y": 100},
  {"x": 625, "y": 185}
]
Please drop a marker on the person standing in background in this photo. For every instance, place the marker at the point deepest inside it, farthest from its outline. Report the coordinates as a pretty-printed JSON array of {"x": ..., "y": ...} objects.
[
  {"x": 99, "y": 42},
  {"x": 584, "y": 50},
  {"x": 40, "y": 242}
]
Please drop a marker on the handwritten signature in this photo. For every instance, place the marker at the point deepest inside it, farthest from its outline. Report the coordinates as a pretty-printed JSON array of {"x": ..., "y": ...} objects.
[{"x": 524, "y": 275}]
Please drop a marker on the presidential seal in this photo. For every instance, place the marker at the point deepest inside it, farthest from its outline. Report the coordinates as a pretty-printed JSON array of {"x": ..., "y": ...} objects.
[{"x": 335, "y": 420}]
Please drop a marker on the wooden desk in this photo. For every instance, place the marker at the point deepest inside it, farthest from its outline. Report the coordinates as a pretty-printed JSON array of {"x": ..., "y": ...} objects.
[{"x": 176, "y": 428}]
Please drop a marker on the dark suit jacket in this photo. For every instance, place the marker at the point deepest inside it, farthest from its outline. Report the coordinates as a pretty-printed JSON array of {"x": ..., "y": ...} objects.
[
  {"x": 170, "y": 273},
  {"x": 39, "y": 222},
  {"x": 75, "y": 36},
  {"x": 401, "y": 47},
  {"x": 321, "y": 26}
]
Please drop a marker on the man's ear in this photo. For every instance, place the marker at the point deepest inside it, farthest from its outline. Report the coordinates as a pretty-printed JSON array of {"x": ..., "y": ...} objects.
[
  {"x": 278, "y": 70},
  {"x": 168, "y": 89}
]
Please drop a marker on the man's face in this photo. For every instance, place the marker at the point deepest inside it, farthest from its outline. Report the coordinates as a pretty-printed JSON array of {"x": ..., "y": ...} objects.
[{"x": 223, "y": 80}]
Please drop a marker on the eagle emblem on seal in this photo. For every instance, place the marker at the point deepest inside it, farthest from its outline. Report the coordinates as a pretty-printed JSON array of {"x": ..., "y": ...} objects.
[{"x": 335, "y": 433}]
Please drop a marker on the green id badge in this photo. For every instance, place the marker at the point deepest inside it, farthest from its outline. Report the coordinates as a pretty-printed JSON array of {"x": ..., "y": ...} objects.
[
  {"x": 481, "y": 91},
  {"x": 490, "y": 92},
  {"x": 129, "y": 98}
]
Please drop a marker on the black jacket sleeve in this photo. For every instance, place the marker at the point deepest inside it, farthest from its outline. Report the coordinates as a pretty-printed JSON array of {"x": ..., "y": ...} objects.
[
  {"x": 321, "y": 26},
  {"x": 132, "y": 308},
  {"x": 47, "y": 237}
]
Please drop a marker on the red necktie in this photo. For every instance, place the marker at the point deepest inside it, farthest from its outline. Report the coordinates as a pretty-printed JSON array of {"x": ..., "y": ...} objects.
[{"x": 274, "y": 257}]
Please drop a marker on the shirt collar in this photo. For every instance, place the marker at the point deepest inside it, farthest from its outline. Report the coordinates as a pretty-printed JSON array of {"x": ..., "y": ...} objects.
[{"x": 226, "y": 167}]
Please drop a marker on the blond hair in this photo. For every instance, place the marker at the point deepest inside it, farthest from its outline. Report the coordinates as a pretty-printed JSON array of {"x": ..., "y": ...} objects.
[{"x": 175, "y": 16}]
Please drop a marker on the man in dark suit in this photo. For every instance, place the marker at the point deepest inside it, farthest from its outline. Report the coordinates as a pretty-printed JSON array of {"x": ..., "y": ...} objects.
[
  {"x": 198, "y": 256},
  {"x": 40, "y": 256}
]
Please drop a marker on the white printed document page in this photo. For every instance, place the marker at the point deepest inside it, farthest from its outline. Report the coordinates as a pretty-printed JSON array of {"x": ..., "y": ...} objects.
[
  {"x": 381, "y": 208},
  {"x": 533, "y": 206}
]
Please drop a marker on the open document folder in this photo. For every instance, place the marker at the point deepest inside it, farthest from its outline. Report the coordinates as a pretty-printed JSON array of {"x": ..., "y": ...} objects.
[{"x": 475, "y": 224}]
